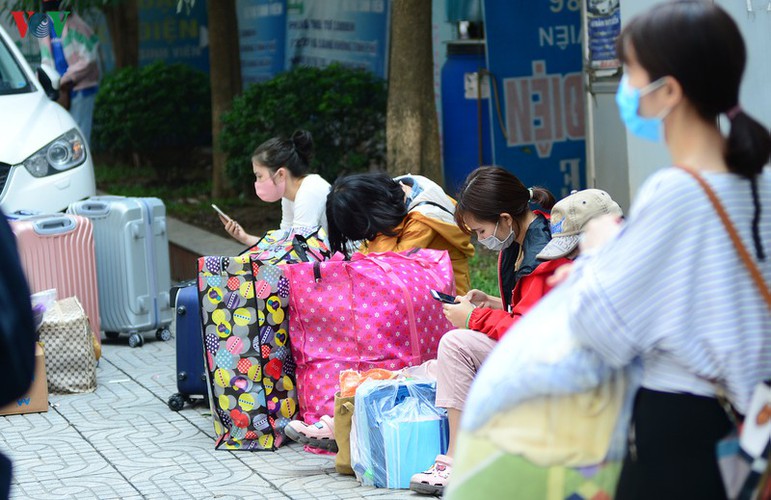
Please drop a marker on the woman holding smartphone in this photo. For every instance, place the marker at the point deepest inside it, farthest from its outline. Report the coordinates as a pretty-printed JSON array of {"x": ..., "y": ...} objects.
[
  {"x": 281, "y": 169},
  {"x": 481, "y": 321}
]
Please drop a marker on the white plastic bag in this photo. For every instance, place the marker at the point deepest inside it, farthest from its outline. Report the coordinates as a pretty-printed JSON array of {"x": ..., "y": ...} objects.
[
  {"x": 538, "y": 357},
  {"x": 537, "y": 364},
  {"x": 41, "y": 302}
]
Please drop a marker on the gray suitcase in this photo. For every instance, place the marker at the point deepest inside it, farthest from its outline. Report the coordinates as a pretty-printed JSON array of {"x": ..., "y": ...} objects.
[{"x": 132, "y": 264}]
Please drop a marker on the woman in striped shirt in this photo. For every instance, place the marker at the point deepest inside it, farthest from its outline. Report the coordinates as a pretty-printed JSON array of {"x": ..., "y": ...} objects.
[{"x": 669, "y": 286}]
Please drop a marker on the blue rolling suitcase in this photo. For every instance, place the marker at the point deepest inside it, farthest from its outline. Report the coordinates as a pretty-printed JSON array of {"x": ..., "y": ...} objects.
[{"x": 191, "y": 375}]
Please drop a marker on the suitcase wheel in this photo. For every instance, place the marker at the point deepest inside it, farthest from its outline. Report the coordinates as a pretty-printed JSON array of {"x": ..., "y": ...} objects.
[
  {"x": 112, "y": 335},
  {"x": 136, "y": 340},
  {"x": 176, "y": 402},
  {"x": 163, "y": 334}
]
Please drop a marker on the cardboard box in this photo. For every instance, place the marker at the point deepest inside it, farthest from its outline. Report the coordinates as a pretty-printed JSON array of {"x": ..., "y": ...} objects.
[{"x": 36, "y": 400}]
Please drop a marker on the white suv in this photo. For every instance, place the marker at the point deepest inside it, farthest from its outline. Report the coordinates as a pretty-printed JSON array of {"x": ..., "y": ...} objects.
[{"x": 45, "y": 164}]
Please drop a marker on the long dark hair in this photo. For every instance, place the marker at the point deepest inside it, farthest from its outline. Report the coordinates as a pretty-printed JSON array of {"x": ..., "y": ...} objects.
[
  {"x": 293, "y": 153},
  {"x": 490, "y": 191},
  {"x": 698, "y": 44},
  {"x": 361, "y": 206}
]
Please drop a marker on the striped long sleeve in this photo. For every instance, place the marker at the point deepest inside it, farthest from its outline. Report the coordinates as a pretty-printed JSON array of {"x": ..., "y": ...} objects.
[{"x": 672, "y": 289}]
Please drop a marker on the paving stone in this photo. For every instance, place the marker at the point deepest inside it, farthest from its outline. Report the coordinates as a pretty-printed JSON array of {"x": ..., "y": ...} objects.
[
  {"x": 122, "y": 441},
  {"x": 91, "y": 486}
]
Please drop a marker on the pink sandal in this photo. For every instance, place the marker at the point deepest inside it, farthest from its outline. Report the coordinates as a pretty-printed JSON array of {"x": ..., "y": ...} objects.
[{"x": 319, "y": 435}]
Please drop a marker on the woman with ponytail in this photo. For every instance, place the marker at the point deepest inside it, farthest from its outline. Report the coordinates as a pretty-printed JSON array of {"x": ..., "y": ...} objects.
[
  {"x": 495, "y": 205},
  {"x": 670, "y": 286},
  {"x": 281, "y": 167}
]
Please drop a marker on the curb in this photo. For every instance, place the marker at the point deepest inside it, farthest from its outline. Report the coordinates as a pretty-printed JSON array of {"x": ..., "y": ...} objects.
[{"x": 188, "y": 242}]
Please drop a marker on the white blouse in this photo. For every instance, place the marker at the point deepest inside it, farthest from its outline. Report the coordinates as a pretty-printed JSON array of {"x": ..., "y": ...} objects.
[{"x": 309, "y": 208}]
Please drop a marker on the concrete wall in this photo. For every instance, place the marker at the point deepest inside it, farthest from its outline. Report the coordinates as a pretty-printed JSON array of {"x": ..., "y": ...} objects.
[{"x": 756, "y": 28}]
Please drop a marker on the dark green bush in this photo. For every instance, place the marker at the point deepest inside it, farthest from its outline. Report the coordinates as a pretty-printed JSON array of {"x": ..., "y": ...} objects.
[
  {"x": 152, "y": 112},
  {"x": 343, "y": 108}
]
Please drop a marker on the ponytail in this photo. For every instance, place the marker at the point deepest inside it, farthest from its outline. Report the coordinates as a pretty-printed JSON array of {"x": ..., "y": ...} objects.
[
  {"x": 490, "y": 191},
  {"x": 748, "y": 151},
  {"x": 542, "y": 197},
  {"x": 749, "y": 145},
  {"x": 294, "y": 153},
  {"x": 303, "y": 145}
]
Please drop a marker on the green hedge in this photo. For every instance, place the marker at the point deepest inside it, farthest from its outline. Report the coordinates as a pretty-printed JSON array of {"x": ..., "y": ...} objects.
[
  {"x": 153, "y": 109},
  {"x": 343, "y": 108}
]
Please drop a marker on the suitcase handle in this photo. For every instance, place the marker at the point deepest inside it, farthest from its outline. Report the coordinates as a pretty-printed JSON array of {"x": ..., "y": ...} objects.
[
  {"x": 94, "y": 208},
  {"x": 22, "y": 214},
  {"x": 54, "y": 225},
  {"x": 107, "y": 197}
]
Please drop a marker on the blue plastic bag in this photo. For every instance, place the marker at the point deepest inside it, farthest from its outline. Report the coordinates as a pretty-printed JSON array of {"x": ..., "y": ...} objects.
[{"x": 397, "y": 431}]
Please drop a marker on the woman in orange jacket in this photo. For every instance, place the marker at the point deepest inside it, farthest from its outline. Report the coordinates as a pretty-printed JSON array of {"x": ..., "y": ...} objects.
[
  {"x": 391, "y": 215},
  {"x": 388, "y": 215}
]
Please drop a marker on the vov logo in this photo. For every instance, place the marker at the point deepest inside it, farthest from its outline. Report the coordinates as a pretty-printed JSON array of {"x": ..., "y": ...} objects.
[{"x": 38, "y": 23}]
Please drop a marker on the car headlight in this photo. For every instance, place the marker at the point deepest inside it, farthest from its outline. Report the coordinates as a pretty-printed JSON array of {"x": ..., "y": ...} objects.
[{"x": 65, "y": 152}]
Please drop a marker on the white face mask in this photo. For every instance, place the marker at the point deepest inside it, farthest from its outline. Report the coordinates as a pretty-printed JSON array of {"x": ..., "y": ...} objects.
[{"x": 493, "y": 243}]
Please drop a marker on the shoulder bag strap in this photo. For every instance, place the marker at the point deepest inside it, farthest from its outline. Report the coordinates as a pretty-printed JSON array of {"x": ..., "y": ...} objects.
[
  {"x": 743, "y": 253},
  {"x": 433, "y": 204}
]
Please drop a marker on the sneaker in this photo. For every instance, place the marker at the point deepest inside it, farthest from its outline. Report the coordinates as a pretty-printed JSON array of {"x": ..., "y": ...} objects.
[
  {"x": 319, "y": 435},
  {"x": 433, "y": 481}
]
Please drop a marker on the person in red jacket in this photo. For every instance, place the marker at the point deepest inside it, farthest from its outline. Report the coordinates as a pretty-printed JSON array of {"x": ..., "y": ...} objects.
[{"x": 481, "y": 324}]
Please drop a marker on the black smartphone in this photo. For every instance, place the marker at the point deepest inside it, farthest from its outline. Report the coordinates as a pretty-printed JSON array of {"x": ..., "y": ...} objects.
[{"x": 443, "y": 297}]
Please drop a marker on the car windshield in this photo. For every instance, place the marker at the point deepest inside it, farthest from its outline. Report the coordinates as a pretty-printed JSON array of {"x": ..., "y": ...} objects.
[{"x": 12, "y": 77}]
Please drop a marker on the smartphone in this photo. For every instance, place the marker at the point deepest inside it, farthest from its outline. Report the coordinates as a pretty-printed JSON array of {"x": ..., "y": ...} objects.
[
  {"x": 443, "y": 297},
  {"x": 217, "y": 209}
]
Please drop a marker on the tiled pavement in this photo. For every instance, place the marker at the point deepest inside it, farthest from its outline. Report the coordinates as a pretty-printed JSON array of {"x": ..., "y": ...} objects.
[{"x": 123, "y": 441}]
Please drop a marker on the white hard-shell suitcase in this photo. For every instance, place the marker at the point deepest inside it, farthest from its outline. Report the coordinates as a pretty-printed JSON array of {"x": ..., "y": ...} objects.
[{"x": 132, "y": 262}]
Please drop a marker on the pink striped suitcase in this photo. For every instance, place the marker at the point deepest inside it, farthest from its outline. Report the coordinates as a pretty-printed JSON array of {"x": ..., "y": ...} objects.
[{"x": 57, "y": 251}]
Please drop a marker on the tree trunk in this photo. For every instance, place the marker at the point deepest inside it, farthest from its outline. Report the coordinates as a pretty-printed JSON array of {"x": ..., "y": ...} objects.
[
  {"x": 412, "y": 131},
  {"x": 225, "y": 74},
  {"x": 123, "y": 23}
]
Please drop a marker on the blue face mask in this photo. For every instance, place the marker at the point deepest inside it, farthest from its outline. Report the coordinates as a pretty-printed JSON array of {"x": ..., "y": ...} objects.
[{"x": 628, "y": 101}]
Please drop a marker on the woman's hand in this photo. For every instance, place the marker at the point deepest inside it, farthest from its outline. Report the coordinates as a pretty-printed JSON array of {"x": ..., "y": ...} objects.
[
  {"x": 477, "y": 298},
  {"x": 235, "y": 230},
  {"x": 480, "y": 299},
  {"x": 560, "y": 274},
  {"x": 457, "y": 313},
  {"x": 599, "y": 231},
  {"x": 407, "y": 190}
]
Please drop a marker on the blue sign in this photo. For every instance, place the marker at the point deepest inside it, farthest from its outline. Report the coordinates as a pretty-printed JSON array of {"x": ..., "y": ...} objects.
[
  {"x": 165, "y": 35},
  {"x": 351, "y": 32},
  {"x": 262, "y": 38},
  {"x": 604, "y": 26},
  {"x": 534, "y": 54}
]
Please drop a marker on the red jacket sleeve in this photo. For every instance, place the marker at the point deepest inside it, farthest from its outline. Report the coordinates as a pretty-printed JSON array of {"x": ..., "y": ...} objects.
[{"x": 495, "y": 322}]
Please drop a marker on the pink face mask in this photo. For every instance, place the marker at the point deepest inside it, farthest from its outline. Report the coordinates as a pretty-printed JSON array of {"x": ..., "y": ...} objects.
[{"x": 269, "y": 191}]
